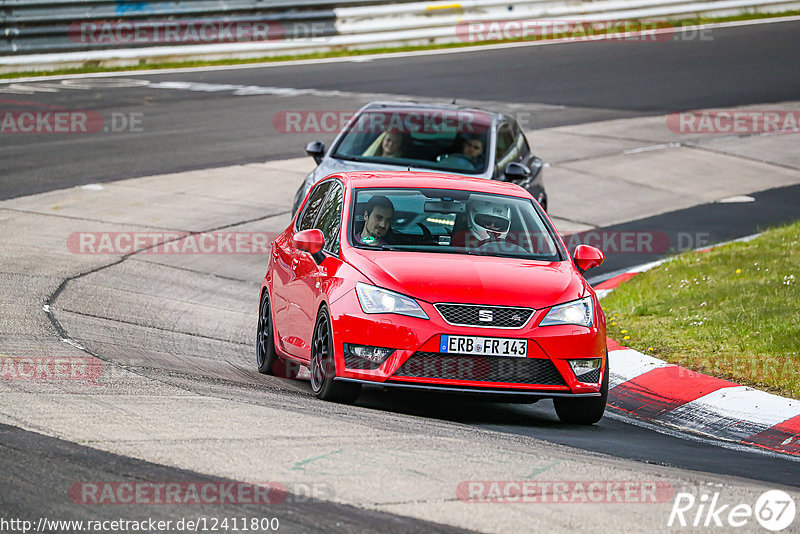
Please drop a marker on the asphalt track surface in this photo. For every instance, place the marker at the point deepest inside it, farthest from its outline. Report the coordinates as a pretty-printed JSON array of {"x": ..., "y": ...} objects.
[
  {"x": 594, "y": 81},
  {"x": 39, "y": 471},
  {"x": 612, "y": 436},
  {"x": 194, "y": 129},
  {"x": 706, "y": 224}
]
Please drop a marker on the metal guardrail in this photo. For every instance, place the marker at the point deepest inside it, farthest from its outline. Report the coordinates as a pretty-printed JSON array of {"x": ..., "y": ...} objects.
[
  {"x": 48, "y": 11},
  {"x": 36, "y": 26},
  {"x": 49, "y": 34}
]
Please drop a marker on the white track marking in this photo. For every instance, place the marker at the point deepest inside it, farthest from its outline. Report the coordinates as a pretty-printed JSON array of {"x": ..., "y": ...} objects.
[{"x": 627, "y": 364}]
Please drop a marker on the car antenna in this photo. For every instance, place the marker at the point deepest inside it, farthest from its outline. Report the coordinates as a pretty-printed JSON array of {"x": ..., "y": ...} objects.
[{"x": 453, "y": 103}]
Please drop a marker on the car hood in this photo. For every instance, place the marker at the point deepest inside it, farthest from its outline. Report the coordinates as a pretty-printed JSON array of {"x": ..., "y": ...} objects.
[{"x": 435, "y": 277}]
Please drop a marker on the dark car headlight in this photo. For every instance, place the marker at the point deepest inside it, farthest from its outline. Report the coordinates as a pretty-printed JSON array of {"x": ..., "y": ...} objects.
[
  {"x": 375, "y": 355},
  {"x": 586, "y": 369}
]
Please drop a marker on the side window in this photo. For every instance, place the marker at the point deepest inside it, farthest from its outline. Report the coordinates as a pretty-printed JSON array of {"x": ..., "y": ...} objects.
[
  {"x": 330, "y": 218},
  {"x": 504, "y": 141},
  {"x": 312, "y": 207},
  {"x": 521, "y": 142}
]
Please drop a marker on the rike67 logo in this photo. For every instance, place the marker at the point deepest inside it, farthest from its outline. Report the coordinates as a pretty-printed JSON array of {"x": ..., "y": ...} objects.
[{"x": 774, "y": 510}]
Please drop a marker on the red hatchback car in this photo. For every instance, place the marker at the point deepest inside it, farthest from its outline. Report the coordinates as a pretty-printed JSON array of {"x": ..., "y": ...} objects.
[{"x": 437, "y": 282}]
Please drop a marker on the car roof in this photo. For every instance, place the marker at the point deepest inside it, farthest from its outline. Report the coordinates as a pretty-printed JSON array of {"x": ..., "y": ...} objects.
[
  {"x": 429, "y": 180},
  {"x": 423, "y": 105},
  {"x": 426, "y": 106}
]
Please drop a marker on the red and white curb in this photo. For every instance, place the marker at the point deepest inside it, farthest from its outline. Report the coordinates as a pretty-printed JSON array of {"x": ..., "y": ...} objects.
[{"x": 670, "y": 395}]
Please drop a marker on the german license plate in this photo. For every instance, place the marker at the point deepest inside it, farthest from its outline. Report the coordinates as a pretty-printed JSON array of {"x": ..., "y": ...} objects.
[{"x": 484, "y": 346}]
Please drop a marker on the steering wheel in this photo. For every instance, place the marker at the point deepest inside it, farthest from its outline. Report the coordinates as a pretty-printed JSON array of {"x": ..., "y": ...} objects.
[
  {"x": 461, "y": 161},
  {"x": 427, "y": 235}
]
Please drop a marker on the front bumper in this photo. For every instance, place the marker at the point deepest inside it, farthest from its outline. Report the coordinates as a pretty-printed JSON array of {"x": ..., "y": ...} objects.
[
  {"x": 417, "y": 362},
  {"x": 481, "y": 391}
]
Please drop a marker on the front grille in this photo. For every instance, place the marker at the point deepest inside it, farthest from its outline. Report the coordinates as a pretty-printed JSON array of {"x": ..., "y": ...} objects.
[
  {"x": 592, "y": 377},
  {"x": 481, "y": 368},
  {"x": 471, "y": 315},
  {"x": 354, "y": 362}
]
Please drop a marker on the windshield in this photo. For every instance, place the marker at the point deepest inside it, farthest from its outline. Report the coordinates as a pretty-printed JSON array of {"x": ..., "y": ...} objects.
[
  {"x": 450, "y": 221},
  {"x": 454, "y": 141}
]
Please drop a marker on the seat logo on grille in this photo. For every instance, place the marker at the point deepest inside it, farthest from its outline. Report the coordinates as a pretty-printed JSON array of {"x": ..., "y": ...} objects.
[{"x": 485, "y": 316}]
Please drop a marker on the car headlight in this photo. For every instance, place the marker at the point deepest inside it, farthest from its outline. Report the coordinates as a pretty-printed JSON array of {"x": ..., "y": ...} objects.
[
  {"x": 377, "y": 300},
  {"x": 579, "y": 312}
]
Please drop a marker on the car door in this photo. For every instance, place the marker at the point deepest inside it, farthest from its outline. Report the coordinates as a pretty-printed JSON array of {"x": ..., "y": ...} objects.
[
  {"x": 304, "y": 290},
  {"x": 287, "y": 259}
]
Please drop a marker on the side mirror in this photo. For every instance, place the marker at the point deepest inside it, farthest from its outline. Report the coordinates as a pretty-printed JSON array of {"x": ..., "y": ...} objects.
[
  {"x": 310, "y": 241},
  {"x": 316, "y": 149},
  {"x": 588, "y": 257},
  {"x": 516, "y": 172}
]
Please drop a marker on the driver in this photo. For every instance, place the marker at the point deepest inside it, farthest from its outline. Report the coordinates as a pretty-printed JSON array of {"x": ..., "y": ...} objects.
[
  {"x": 487, "y": 221},
  {"x": 471, "y": 150},
  {"x": 472, "y": 147},
  {"x": 378, "y": 216}
]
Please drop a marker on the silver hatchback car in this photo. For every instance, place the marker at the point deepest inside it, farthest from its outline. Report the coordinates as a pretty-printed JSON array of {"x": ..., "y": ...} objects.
[{"x": 447, "y": 138}]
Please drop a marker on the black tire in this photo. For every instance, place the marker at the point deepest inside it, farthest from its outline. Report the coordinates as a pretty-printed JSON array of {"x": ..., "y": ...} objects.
[
  {"x": 323, "y": 367},
  {"x": 266, "y": 355},
  {"x": 586, "y": 411}
]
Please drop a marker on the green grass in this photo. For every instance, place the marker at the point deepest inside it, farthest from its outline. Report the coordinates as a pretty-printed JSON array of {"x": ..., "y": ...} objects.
[
  {"x": 352, "y": 53},
  {"x": 732, "y": 312}
]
